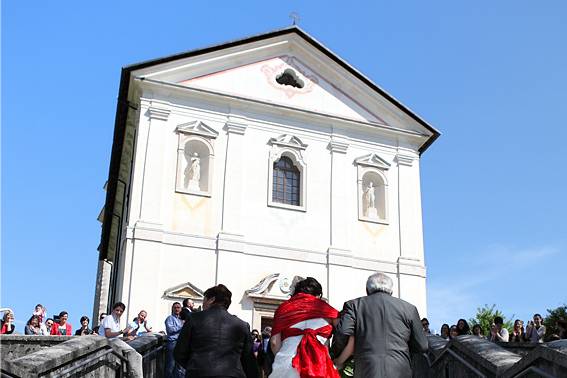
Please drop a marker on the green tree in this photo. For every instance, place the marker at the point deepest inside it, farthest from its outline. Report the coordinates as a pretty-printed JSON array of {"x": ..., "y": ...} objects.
[
  {"x": 485, "y": 317},
  {"x": 550, "y": 321}
]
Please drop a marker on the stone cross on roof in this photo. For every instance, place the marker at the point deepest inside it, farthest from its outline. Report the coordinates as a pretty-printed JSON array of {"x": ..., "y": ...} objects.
[{"x": 294, "y": 18}]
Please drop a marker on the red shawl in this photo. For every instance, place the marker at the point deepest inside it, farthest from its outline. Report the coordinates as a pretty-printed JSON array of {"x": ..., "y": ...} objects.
[{"x": 312, "y": 358}]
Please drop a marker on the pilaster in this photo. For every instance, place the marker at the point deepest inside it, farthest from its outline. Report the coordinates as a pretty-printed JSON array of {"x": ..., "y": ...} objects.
[
  {"x": 339, "y": 189},
  {"x": 230, "y": 238},
  {"x": 157, "y": 117},
  {"x": 409, "y": 207},
  {"x": 234, "y": 173},
  {"x": 339, "y": 257},
  {"x": 102, "y": 289},
  {"x": 411, "y": 283}
]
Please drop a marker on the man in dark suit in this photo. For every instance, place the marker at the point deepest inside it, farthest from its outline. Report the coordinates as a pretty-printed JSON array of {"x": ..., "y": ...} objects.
[
  {"x": 265, "y": 357},
  {"x": 214, "y": 343},
  {"x": 188, "y": 306},
  {"x": 381, "y": 330}
]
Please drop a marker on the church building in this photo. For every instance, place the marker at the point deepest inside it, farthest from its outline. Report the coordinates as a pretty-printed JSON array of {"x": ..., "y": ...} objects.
[{"x": 253, "y": 164}]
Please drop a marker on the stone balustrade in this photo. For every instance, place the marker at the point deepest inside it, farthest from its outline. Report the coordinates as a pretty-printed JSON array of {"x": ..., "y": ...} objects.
[
  {"x": 546, "y": 360},
  {"x": 96, "y": 356},
  {"x": 470, "y": 356},
  {"x": 81, "y": 356}
]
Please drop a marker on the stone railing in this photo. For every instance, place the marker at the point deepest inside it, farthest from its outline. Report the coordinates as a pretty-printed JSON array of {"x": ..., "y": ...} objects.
[
  {"x": 467, "y": 355},
  {"x": 14, "y": 346},
  {"x": 470, "y": 356},
  {"x": 152, "y": 349},
  {"x": 548, "y": 360},
  {"x": 77, "y": 356},
  {"x": 519, "y": 348},
  {"x": 421, "y": 363},
  {"x": 81, "y": 356},
  {"x": 95, "y": 356}
]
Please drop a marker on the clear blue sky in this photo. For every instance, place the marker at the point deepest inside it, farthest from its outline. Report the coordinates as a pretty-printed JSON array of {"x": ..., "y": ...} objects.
[{"x": 490, "y": 75}]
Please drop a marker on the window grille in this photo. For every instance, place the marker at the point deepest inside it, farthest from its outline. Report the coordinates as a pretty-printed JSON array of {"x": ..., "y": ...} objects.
[{"x": 286, "y": 182}]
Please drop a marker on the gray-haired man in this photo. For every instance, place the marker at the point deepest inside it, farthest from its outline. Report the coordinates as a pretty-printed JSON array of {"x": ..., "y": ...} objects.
[{"x": 381, "y": 330}]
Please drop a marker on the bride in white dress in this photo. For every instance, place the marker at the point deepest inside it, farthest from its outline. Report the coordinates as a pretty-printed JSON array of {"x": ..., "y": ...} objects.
[
  {"x": 282, "y": 368},
  {"x": 302, "y": 326}
]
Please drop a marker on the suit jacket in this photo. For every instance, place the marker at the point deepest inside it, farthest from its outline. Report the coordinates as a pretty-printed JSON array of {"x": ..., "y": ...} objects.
[
  {"x": 265, "y": 359},
  {"x": 385, "y": 328},
  {"x": 185, "y": 313},
  {"x": 215, "y": 343}
]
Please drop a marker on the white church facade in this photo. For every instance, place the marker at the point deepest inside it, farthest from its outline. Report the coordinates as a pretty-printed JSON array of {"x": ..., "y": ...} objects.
[{"x": 253, "y": 163}]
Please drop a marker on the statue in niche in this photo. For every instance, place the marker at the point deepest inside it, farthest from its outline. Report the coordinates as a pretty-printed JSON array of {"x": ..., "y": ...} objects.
[
  {"x": 193, "y": 172},
  {"x": 370, "y": 201}
]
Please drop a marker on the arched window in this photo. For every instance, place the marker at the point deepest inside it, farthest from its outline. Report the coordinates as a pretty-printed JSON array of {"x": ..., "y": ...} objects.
[
  {"x": 287, "y": 173},
  {"x": 286, "y": 181}
]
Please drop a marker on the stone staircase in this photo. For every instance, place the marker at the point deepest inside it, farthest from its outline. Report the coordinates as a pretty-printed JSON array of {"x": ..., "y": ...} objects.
[
  {"x": 81, "y": 356},
  {"x": 470, "y": 356},
  {"x": 95, "y": 356}
]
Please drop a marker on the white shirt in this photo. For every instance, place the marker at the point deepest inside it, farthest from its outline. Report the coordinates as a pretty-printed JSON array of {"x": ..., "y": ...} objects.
[
  {"x": 502, "y": 336},
  {"x": 535, "y": 335},
  {"x": 62, "y": 330},
  {"x": 143, "y": 328},
  {"x": 43, "y": 330},
  {"x": 111, "y": 323}
]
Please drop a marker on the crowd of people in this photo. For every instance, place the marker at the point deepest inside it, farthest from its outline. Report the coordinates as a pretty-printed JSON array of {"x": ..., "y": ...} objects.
[
  {"x": 212, "y": 342},
  {"x": 40, "y": 325},
  {"x": 534, "y": 332}
]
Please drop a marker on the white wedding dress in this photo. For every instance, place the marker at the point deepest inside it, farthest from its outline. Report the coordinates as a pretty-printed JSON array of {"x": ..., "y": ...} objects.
[{"x": 281, "y": 367}]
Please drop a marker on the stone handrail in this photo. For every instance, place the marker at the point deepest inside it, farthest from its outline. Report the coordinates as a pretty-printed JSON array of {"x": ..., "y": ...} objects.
[
  {"x": 93, "y": 355},
  {"x": 472, "y": 356},
  {"x": 468, "y": 354},
  {"x": 547, "y": 360},
  {"x": 60, "y": 357}
]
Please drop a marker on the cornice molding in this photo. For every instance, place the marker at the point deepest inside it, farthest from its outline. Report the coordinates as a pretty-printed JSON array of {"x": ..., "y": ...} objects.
[
  {"x": 288, "y": 140},
  {"x": 247, "y": 103},
  {"x": 158, "y": 113},
  {"x": 263, "y": 285},
  {"x": 197, "y": 128},
  {"x": 274, "y": 286},
  {"x": 406, "y": 160},
  {"x": 339, "y": 145},
  {"x": 184, "y": 290},
  {"x": 235, "y": 126},
  {"x": 372, "y": 160}
]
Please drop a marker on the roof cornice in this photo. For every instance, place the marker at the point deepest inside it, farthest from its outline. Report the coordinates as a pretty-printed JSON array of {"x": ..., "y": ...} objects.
[
  {"x": 219, "y": 96},
  {"x": 294, "y": 29}
]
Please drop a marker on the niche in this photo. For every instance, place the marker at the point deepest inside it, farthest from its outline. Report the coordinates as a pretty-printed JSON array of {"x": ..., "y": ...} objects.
[{"x": 195, "y": 157}]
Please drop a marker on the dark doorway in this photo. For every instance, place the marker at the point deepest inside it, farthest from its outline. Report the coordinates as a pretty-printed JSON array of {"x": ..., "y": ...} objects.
[{"x": 266, "y": 322}]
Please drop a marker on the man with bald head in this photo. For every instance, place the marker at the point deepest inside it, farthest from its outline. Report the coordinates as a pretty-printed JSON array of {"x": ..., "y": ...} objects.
[{"x": 381, "y": 330}]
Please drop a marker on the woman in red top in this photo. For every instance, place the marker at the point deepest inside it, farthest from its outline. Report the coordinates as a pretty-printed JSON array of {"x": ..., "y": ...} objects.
[
  {"x": 302, "y": 325},
  {"x": 63, "y": 328},
  {"x": 7, "y": 323}
]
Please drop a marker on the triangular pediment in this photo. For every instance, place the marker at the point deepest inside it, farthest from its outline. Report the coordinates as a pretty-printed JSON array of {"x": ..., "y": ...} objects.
[
  {"x": 306, "y": 87},
  {"x": 372, "y": 160},
  {"x": 288, "y": 140},
  {"x": 197, "y": 128},
  {"x": 290, "y": 69},
  {"x": 184, "y": 290}
]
